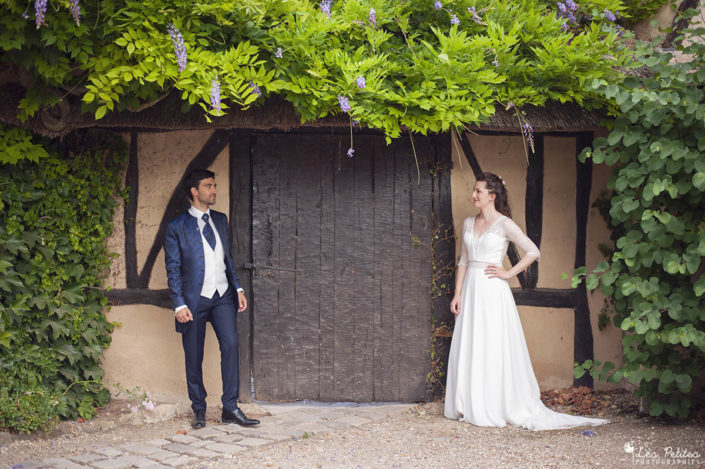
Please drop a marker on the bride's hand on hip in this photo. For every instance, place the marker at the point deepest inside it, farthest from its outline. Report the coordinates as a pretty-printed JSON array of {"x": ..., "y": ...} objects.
[
  {"x": 455, "y": 305},
  {"x": 497, "y": 271}
]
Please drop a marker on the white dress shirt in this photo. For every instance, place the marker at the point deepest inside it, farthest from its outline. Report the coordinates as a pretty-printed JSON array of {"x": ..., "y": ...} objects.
[{"x": 214, "y": 278}]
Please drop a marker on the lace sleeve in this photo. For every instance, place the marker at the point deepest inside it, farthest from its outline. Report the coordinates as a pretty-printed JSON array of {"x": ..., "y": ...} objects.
[
  {"x": 464, "y": 250},
  {"x": 517, "y": 236}
]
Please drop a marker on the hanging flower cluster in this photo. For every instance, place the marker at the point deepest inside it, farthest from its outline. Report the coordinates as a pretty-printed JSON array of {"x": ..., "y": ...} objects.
[
  {"x": 344, "y": 104},
  {"x": 40, "y": 10},
  {"x": 179, "y": 47},
  {"x": 475, "y": 16},
  {"x": 255, "y": 89},
  {"x": 609, "y": 16},
  {"x": 279, "y": 53},
  {"x": 567, "y": 10},
  {"x": 325, "y": 6},
  {"x": 361, "y": 82},
  {"x": 528, "y": 132},
  {"x": 373, "y": 17},
  {"x": 215, "y": 94},
  {"x": 75, "y": 11},
  {"x": 454, "y": 19}
]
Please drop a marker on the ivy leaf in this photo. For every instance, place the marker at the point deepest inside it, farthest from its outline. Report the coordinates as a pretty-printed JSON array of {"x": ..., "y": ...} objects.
[
  {"x": 74, "y": 294},
  {"x": 4, "y": 266},
  {"x": 5, "y": 339},
  {"x": 699, "y": 180}
]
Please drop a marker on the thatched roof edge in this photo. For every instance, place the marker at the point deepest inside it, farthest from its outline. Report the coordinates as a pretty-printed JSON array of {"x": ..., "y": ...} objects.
[{"x": 275, "y": 113}]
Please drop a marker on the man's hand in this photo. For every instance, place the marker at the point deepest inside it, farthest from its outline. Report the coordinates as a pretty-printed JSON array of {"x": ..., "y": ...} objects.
[
  {"x": 184, "y": 315},
  {"x": 242, "y": 301}
]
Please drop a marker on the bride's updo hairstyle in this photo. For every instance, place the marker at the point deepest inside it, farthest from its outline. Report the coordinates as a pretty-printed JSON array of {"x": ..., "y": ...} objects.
[{"x": 495, "y": 185}]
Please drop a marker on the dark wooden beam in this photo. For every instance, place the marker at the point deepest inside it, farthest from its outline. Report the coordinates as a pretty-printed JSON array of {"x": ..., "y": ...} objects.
[
  {"x": 443, "y": 250},
  {"x": 534, "y": 205},
  {"x": 132, "y": 184},
  {"x": 582, "y": 342},
  {"x": 469, "y": 153},
  {"x": 545, "y": 297},
  {"x": 678, "y": 24},
  {"x": 139, "y": 296},
  {"x": 241, "y": 147}
]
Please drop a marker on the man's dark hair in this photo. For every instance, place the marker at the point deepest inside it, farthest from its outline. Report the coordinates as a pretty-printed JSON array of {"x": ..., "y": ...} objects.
[{"x": 194, "y": 178}]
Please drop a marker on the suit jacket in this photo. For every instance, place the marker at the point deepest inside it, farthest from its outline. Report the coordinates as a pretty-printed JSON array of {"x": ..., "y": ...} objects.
[{"x": 185, "y": 262}]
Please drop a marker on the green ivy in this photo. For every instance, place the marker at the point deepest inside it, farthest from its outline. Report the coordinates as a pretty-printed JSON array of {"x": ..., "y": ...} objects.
[
  {"x": 422, "y": 72},
  {"x": 54, "y": 220},
  {"x": 654, "y": 277}
]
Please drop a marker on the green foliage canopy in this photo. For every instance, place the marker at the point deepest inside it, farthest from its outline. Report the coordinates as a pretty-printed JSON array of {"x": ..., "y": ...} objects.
[
  {"x": 654, "y": 278},
  {"x": 421, "y": 71}
]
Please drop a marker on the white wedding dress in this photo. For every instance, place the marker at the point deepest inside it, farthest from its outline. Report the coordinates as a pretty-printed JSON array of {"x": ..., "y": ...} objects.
[{"x": 490, "y": 378}]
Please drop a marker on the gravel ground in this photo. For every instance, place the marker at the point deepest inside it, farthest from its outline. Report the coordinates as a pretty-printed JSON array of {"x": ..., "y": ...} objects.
[
  {"x": 422, "y": 438},
  {"x": 419, "y": 438}
]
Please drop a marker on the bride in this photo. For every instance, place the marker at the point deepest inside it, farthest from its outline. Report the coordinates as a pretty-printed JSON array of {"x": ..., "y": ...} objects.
[{"x": 490, "y": 378}]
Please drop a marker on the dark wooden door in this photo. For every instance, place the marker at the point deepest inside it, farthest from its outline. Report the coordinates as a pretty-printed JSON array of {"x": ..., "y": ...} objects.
[{"x": 350, "y": 320}]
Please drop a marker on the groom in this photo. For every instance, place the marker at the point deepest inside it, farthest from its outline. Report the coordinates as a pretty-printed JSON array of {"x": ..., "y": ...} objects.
[{"x": 202, "y": 284}]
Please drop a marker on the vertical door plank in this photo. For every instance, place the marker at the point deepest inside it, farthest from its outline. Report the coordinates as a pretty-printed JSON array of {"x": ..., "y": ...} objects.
[
  {"x": 328, "y": 162},
  {"x": 415, "y": 361},
  {"x": 387, "y": 268},
  {"x": 307, "y": 173},
  {"x": 287, "y": 154},
  {"x": 347, "y": 242},
  {"x": 402, "y": 244},
  {"x": 265, "y": 251},
  {"x": 364, "y": 268},
  {"x": 241, "y": 233}
]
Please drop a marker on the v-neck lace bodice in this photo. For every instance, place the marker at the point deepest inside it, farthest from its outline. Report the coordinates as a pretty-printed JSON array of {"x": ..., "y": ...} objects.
[{"x": 490, "y": 246}]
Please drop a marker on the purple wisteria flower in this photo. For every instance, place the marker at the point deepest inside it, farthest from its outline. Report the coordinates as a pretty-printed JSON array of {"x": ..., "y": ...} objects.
[
  {"x": 495, "y": 62},
  {"x": 40, "y": 10},
  {"x": 255, "y": 88},
  {"x": 351, "y": 152},
  {"x": 75, "y": 11},
  {"x": 565, "y": 11},
  {"x": 510, "y": 105},
  {"x": 572, "y": 6},
  {"x": 361, "y": 82},
  {"x": 609, "y": 16},
  {"x": 454, "y": 19},
  {"x": 373, "y": 17},
  {"x": 528, "y": 132},
  {"x": 344, "y": 104},
  {"x": 475, "y": 16},
  {"x": 279, "y": 53},
  {"x": 325, "y": 6},
  {"x": 437, "y": 5},
  {"x": 215, "y": 94},
  {"x": 179, "y": 47}
]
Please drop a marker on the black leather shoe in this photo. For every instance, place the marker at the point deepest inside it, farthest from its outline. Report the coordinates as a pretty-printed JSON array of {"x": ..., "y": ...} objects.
[
  {"x": 199, "y": 419},
  {"x": 238, "y": 416}
]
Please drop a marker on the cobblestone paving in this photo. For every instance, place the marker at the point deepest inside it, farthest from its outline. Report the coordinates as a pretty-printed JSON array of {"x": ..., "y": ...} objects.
[{"x": 286, "y": 422}]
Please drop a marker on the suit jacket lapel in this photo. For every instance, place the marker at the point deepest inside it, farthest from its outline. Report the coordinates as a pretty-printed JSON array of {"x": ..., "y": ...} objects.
[
  {"x": 222, "y": 232},
  {"x": 193, "y": 234}
]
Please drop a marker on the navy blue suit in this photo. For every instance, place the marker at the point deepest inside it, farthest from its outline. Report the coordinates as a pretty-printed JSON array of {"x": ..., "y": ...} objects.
[{"x": 185, "y": 267}]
